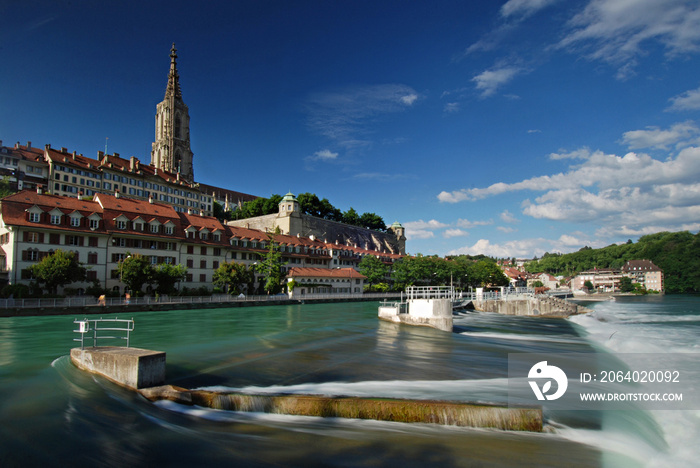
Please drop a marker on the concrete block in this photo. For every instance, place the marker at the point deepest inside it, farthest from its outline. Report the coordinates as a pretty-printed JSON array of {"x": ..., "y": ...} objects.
[{"x": 131, "y": 367}]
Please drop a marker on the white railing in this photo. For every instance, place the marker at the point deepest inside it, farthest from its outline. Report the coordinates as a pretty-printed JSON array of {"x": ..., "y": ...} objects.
[
  {"x": 89, "y": 301},
  {"x": 94, "y": 329}
]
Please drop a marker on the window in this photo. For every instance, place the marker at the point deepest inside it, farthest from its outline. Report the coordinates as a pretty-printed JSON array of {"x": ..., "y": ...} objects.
[
  {"x": 190, "y": 263},
  {"x": 74, "y": 240},
  {"x": 54, "y": 238},
  {"x": 92, "y": 258},
  {"x": 202, "y": 264},
  {"x": 203, "y": 235},
  {"x": 188, "y": 277},
  {"x": 121, "y": 224},
  {"x": 169, "y": 230},
  {"x": 33, "y": 237},
  {"x": 55, "y": 219},
  {"x": 94, "y": 223},
  {"x": 32, "y": 255},
  {"x": 75, "y": 221},
  {"x": 154, "y": 228},
  {"x": 91, "y": 275},
  {"x": 217, "y": 251},
  {"x": 217, "y": 237},
  {"x": 203, "y": 278},
  {"x": 138, "y": 226},
  {"x": 153, "y": 259},
  {"x": 190, "y": 249},
  {"x": 215, "y": 264},
  {"x": 203, "y": 250}
]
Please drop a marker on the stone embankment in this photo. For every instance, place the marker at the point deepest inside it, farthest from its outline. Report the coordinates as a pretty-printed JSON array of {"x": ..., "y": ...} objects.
[{"x": 540, "y": 305}]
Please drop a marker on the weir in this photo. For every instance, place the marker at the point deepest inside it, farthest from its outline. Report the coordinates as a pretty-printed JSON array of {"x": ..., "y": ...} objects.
[
  {"x": 382, "y": 409},
  {"x": 429, "y": 306}
]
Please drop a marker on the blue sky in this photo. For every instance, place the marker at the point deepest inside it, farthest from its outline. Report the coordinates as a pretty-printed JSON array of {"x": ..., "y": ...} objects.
[{"x": 504, "y": 128}]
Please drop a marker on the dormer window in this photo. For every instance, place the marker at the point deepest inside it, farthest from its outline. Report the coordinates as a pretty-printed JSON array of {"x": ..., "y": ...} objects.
[
  {"x": 121, "y": 224},
  {"x": 34, "y": 217},
  {"x": 75, "y": 221},
  {"x": 154, "y": 228},
  {"x": 55, "y": 219}
]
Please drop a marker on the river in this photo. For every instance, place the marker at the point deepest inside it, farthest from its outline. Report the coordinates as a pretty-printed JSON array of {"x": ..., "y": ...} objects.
[{"x": 52, "y": 414}]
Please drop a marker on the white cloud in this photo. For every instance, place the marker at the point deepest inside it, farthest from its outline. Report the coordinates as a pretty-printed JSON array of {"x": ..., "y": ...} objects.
[
  {"x": 449, "y": 233},
  {"x": 690, "y": 100},
  {"x": 451, "y": 107},
  {"x": 582, "y": 153},
  {"x": 489, "y": 81},
  {"x": 508, "y": 217},
  {"x": 524, "y": 8},
  {"x": 465, "y": 223},
  {"x": 324, "y": 155},
  {"x": 506, "y": 229},
  {"x": 617, "y": 31},
  {"x": 654, "y": 137},
  {"x": 420, "y": 224},
  {"x": 419, "y": 234},
  {"x": 527, "y": 248},
  {"x": 345, "y": 115}
]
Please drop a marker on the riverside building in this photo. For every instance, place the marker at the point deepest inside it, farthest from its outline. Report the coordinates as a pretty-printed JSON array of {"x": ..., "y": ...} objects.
[{"x": 103, "y": 231}]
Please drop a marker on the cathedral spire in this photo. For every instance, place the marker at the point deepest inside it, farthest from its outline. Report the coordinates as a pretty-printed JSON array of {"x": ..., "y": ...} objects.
[
  {"x": 173, "y": 88},
  {"x": 171, "y": 149}
]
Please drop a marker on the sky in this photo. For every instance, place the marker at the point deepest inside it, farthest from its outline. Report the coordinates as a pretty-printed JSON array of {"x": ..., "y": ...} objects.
[{"x": 504, "y": 128}]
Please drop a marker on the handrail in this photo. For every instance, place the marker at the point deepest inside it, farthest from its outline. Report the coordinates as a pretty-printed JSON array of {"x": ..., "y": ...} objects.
[{"x": 85, "y": 328}]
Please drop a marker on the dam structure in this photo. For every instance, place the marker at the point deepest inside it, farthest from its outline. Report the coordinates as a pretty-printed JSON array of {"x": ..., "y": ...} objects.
[{"x": 432, "y": 306}]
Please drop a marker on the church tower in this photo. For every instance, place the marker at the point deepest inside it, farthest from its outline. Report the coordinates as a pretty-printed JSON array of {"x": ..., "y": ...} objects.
[{"x": 171, "y": 151}]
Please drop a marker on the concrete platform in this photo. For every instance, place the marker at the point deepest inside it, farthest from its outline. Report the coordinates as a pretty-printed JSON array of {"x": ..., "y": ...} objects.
[{"x": 131, "y": 367}]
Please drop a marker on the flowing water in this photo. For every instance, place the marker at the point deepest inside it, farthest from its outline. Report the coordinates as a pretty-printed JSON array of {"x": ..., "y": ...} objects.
[{"x": 52, "y": 414}]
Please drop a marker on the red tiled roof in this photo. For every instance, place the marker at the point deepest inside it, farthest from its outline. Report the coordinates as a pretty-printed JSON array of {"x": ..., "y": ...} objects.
[{"x": 325, "y": 272}]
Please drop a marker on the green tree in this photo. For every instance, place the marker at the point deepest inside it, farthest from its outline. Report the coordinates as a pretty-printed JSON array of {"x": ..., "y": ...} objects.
[
  {"x": 351, "y": 217},
  {"x": 6, "y": 187},
  {"x": 626, "y": 284},
  {"x": 58, "y": 269},
  {"x": 271, "y": 266},
  {"x": 232, "y": 276},
  {"x": 134, "y": 271},
  {"x": 372, "y": 221},
  {"x": 166, "y": 276},
  {"x": 374, "y": 269}
]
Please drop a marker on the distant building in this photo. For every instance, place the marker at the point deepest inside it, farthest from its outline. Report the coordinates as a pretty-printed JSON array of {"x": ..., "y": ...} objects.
[
  {"x": 290, "y": 220},
  {"x": 325, "y": 281},
  {"x": 644, "y": 272},
  {"x": 517, "y": 278}
]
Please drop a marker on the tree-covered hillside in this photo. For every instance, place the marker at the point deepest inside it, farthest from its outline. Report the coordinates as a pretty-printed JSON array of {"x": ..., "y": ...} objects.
[{"x": 676, "y": 253}]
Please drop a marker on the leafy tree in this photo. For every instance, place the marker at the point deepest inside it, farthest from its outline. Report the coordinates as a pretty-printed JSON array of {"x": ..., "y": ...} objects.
[
  {"x": 374, "y": 269},
  {"x": 232, "y": 276},
  {"x": 372, "y": 221},
  {"x": 6, "y": 187},
  {"x": 166, "y": 275},
  {"x": 134, "y": 271},
  {"x": 271, "y": 266},
  {"x": 58, "y": 269},
  {"x": 351, "y": 217},
  {"x": 588, "y": 285}
]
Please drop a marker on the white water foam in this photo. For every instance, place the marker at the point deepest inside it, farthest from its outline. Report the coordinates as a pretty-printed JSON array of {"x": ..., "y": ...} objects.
[
  {"x": 622, "y": 329},
  {"x": 522, "y": 337}
]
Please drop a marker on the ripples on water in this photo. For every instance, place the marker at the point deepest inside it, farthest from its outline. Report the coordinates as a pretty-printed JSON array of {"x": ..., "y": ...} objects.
[{"x": 55, "y": 415}]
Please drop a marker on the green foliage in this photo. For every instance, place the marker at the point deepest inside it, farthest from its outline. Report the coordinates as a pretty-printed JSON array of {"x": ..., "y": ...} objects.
[
  {"x": 373, "y": 268},
  {"x": 626, "y": 284},
  {"x": 310, "y": 204},
  {"x": 16, "y": 291},
  {"x": 6, "y": 187},
  {"x": 271, "y": 266},
  {"x": 231, "y": 277},
  {"x": 676, "y": 253},
  {"x": 134, "y": 271},
  {"x": 58, "y": 269},
  {"x": 165, "y": 276},
  {"x": 461, "y": 272}
]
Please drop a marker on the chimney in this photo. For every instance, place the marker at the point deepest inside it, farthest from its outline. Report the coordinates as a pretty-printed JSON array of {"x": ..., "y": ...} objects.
[
  {"x": 150, "y": 199},
  {"x": 132, "y": 164},
  {"x": 116, "y": 155},
  {"x": 29, "y": 145},
  {"x": 64, "y": 149},
  {"x": 80, "y": 195},
  {"x": 100, "y": 154},
  {"x": 74, "y": 154},
  {"x": 155, "y": 171},
  {"x": 46, "y": 146},
  {"x": 40, "y": 189},
  {"x": 116, "y": 193}
]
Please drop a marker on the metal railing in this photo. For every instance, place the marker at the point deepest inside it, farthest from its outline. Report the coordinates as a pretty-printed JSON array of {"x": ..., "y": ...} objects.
[
  {"x": 90, "y": 329},
  {"x": 89, "y": 301}
]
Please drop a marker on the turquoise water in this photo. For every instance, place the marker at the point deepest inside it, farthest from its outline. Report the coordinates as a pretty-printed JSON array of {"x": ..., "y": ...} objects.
[{"x": 52, "y": 414}]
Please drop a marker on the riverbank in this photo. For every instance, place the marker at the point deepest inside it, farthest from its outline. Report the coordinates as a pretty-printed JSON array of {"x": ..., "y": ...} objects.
[{"x": 91, "y": 306}]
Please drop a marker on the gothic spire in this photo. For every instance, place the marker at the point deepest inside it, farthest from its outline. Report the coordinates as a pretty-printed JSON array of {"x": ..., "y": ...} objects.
[{"x": 173, "y": 88}]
